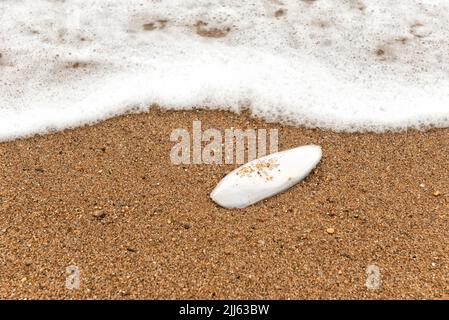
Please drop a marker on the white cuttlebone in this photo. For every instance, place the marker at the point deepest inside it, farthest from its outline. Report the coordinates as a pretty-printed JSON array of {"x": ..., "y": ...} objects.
[{"x": 265, "y": 177}]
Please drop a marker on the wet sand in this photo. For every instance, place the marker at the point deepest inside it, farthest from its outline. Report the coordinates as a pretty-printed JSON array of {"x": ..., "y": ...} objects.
[{"x": 106, "y": 199}]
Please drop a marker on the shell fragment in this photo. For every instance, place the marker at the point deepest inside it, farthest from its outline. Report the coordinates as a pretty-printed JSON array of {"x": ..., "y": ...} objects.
[{"x": 265, "y": 177}]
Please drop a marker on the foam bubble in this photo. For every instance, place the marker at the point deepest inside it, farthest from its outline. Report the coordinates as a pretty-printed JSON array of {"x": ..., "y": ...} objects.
[{"x": 349, "y": 65}]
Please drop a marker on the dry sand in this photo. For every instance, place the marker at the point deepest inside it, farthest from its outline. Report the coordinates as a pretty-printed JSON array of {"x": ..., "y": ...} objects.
[{"x": 107, "y": 199}]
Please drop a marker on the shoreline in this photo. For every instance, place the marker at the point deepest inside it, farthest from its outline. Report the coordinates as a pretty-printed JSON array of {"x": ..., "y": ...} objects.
[{"x": 106, "y": 198}]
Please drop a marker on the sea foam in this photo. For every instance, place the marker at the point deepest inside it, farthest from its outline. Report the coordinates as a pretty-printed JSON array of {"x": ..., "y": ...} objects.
[{"x": 351, "y": 65}]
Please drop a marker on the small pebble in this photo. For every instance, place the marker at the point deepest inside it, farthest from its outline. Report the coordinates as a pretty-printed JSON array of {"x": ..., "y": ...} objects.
[
  {"x": 99, "y": 214},
  {"x": 330, "y": 230},
  {"x": 186, "y": 225},
  {"x": 436, "y": 193}
]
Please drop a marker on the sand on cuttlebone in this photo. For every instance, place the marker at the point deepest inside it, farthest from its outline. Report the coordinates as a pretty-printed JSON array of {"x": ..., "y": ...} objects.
[{"x": 106, "y": 199}]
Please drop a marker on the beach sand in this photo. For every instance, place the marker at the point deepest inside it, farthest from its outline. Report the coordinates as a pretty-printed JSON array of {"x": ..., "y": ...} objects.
[{"x": 106, "y": 199}]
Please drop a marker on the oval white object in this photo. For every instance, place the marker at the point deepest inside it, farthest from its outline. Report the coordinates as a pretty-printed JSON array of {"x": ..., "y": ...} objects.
[{"x": 265, "y": 177}]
